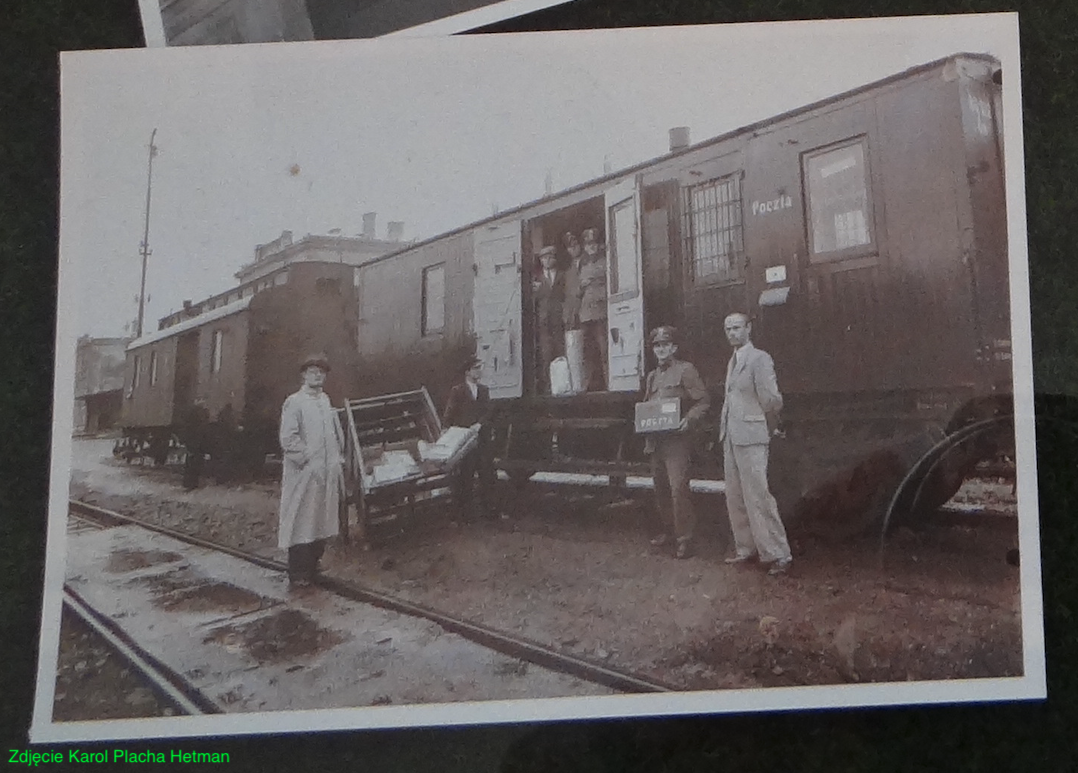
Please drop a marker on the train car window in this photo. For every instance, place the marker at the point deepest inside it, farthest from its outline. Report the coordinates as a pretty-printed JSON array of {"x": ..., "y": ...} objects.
[
  {"x": 280, "y": 279},
  {"x": 216, "y": 351},
  {"x": 137, "y": 370},
  {"x": 433, "y": 298},
  {"x": 839, "y": 210},
  {"x": 714, "y": 234},
  {"x": 623, "y": 275},
  {"x": 153, "y": 368}
]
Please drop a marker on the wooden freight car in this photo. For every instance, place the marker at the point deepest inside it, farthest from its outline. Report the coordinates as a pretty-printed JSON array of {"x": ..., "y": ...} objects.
[
  {"x": 864, "y": 234},
  {"x": 238, "y": 357}
]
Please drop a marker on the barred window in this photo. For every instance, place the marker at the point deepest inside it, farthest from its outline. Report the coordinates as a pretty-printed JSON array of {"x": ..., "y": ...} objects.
[
  {"x": 714, "y": 233},
  {"x": 840, "y": 214}
]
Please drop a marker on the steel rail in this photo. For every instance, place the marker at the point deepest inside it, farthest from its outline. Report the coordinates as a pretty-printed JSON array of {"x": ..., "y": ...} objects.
[
  {"x": 508, "y": 644},
  {"x": 177, "y": 690}
]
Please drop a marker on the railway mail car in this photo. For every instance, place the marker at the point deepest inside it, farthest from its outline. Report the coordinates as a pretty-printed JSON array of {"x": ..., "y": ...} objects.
[
  {"x": 866, "y": 237},
  {"x": 238, "y": 357}
]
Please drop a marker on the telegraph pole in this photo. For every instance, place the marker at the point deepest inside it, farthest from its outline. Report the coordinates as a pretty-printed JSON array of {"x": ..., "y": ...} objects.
[{"x": 144, "y": 247}]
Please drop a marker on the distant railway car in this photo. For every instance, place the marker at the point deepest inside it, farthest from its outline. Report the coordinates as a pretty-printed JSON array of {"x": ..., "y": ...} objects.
[
  {"x": 238, "y": 357},
  {"x": 866, "y": 237}
]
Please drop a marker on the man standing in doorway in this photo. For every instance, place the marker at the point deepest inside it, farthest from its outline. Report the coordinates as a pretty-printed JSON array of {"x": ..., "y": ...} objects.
[
  {"x": 313, "y": 479},
  {"x": 671, "y": 452},
  {"x": 469, "y": 406},
  {"x": 593, "y": 310},
  {"x": 749, "y": 418},
  {"x": 549, "y": 293}
]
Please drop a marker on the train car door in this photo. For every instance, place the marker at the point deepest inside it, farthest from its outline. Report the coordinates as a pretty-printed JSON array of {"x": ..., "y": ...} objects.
[
  {"x": 496, "y": 307},
  {"x": 625, "y": 301}
]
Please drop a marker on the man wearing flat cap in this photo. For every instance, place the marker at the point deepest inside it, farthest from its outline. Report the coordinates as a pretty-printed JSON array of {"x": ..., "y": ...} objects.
[
  {"x": 549, "y": 294},
  {"x": 469, "y": 406},
  {"x": 671, "y": 452},
  {"x": 312, "y": 482}
]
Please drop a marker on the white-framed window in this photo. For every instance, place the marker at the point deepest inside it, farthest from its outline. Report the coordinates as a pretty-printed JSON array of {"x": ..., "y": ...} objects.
[
  {"x": 433, "y": 299},
  {"x": 136, "y": 372},
  {"x": 217, "y": 346},
  {"x": 153, "y": 368},
  {"x": 714, "y": 231},
  {"x": 839, "y": 209}
]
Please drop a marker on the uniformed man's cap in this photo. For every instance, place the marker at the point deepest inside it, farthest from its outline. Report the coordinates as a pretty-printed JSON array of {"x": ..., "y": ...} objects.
[
  {"x": 318, "y": 359},
  {"x": 663, "y": 335},
  {"x": 590, "y": 235},
  {"x": 546, "y": 252}
]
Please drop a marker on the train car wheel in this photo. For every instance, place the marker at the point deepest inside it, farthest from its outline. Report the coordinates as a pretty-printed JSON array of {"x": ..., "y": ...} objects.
[{"x": 940, "y": 472}]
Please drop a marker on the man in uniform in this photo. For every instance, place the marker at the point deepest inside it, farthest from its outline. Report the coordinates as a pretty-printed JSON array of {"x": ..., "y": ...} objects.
[
  {"x": 549, "y": 288},
  {"x": 313, "y": 479},
  {"x": 749, "y": 418},
  {"x": 469, "y": 406},
  {"x": 593, "y": 310},
  {"x": 671, "y": 452}
]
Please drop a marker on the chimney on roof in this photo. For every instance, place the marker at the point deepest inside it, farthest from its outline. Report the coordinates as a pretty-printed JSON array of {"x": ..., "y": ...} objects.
[
  {"x": 395, "y": 230},
  {"x": 679, "y": 138},
  {"x": 187, "y": 305},
  {"x": 368, "y": 224}
]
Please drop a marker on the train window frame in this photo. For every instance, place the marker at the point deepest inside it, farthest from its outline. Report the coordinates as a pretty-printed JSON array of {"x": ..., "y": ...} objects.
[
  {"x": 217, "y": 345},
  {"x": 613, "y": 256},
  {"x": 864, "y": 250},
  {"x": 735, "y": 273},
  {"x": 153, "y": 368},
  {"x": 136, "y": 365},
  {"x": 426, "y": 326}
]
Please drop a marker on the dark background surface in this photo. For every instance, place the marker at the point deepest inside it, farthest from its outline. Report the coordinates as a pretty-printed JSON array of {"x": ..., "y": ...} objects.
[{"x": 1018, "y": 737}]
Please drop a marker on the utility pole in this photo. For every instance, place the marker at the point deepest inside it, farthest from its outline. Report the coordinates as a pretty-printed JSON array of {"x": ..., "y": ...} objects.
[{"x": 144, "y": 247}]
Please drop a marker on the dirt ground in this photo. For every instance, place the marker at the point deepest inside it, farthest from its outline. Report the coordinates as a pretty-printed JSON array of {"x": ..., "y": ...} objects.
[{"x": 577, "y": 573}]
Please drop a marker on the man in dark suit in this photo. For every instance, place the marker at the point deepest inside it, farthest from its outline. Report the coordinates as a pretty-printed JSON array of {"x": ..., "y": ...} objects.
[
  {"x": 749, "y": 418},
  {"x": 469, "y": 406},
  {"x": 549, "y": 294}
]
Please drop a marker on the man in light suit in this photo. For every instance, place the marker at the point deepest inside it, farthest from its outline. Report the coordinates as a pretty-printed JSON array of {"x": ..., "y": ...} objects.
[{"x": 749, "y": 417}]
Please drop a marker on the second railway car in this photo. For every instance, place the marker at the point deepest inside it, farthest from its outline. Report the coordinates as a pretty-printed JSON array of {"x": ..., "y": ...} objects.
[
  {"x": 865, "y": 235},
  {"x": 237, "y": 357}
]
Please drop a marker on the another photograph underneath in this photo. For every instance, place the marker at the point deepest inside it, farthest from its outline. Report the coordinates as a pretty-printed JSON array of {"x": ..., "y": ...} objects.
[{"x": 220, "y": 22}]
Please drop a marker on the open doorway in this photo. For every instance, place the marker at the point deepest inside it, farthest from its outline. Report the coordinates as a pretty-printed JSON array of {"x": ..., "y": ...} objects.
[{"x": 565, "y": 292}]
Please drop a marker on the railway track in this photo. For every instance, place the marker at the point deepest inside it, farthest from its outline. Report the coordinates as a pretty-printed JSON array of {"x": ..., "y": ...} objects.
[{"x": 84, "y": 516}]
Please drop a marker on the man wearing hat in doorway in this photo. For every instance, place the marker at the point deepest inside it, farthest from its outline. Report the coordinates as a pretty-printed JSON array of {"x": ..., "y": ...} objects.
[
  {"x": 469, "y": 406},
  {"x": 312, "y": 482},
  {"x": 671, "y": 452},
  {"x": 549, "y": 293}
]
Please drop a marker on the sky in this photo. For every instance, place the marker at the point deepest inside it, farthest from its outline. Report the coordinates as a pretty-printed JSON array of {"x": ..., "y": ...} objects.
[{"x": 257, "y": 139}]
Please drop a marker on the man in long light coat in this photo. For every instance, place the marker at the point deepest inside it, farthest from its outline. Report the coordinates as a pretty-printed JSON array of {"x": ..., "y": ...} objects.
[
  {"x": 313, "y": 479},
  {"x": 749, "y": 416}
]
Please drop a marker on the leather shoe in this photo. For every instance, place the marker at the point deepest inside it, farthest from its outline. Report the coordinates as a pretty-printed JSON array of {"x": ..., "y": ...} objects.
[
  {"x": 780, "y": 567},
  {"x": 740, "y": 558},
  {"x": 684, "y": 550},
  {"x": 659, "y": 541}
]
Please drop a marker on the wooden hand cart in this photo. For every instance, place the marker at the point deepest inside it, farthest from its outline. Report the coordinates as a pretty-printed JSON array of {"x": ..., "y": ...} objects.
[{"x": 381, "y": 430}]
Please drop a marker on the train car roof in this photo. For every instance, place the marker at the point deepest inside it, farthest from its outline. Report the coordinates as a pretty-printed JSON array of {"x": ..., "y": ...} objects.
[
  {"x": 641, "y": 166},
  {"x": 190, "y": 324}
]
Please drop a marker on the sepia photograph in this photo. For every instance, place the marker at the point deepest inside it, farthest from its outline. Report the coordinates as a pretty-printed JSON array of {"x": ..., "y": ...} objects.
[
  {"x": 219, "y": 22},
  {"x": 522, "y": 377}
]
